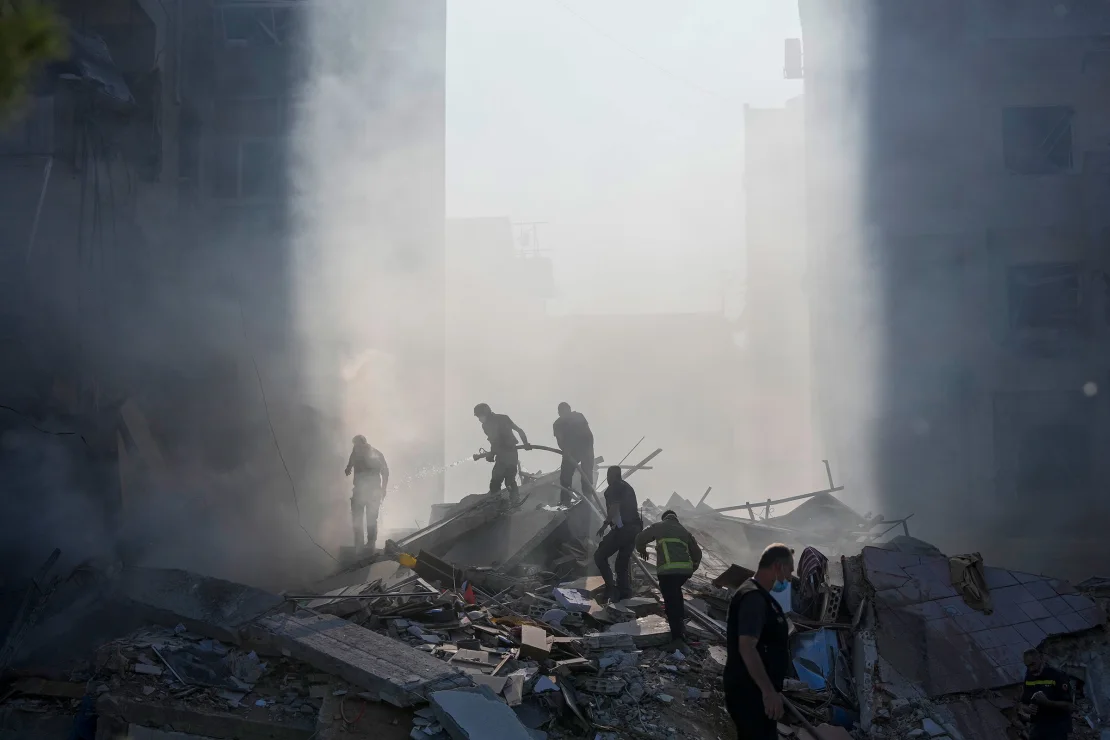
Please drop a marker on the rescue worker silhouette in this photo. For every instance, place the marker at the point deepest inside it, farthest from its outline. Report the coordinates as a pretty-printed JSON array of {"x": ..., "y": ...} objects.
[
  {"x": 370, "y": 484},
  {"x": 677, "y": 556},
  {"x": 501, "y": 432},
  {"x": 576, "y": 440}
]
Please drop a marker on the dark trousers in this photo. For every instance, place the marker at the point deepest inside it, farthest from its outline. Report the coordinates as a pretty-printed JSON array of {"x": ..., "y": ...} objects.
[
  {"x": 670, "y": 585},
  {"x": 1048, "y": 732},
  {"x": 504, "y": 473},
  {"x": 620, "y": 542},
  {"x": 746, "y": 709},
  {"x": 566, "y": 476}
]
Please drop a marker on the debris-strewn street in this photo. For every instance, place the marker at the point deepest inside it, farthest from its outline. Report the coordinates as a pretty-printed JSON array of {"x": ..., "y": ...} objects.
[{"x": 486, "y": 625}]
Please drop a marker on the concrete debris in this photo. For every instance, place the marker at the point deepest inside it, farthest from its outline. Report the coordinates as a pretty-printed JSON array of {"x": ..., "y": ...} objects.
[{"x": 486, "y": 624}]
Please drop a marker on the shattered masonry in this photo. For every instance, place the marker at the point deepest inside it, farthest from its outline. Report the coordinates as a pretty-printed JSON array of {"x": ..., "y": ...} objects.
[{"x": 495, "y": 632}]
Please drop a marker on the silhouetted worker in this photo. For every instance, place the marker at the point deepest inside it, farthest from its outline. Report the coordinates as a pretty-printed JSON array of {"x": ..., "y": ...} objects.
[
  {"x": 576, "y": 440},
  {"x": 500, "y": 429},
  {"x": 758, "y": 648},
  {"x": 623, "y": 515},
  {"x": 370, "y": 484},
  {"x": 1049, "y": 692},
  {"x": 677, "y": 556}
]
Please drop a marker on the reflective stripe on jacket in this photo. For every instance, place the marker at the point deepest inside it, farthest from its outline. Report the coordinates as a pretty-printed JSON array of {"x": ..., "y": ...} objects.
[
  {"x": 673, "y": 556},
  {"x": 676, "y": 550}
]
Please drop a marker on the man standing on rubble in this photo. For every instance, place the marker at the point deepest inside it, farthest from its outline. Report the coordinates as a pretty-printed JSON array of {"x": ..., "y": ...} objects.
[
  {"x": 623, "y": 515},
  {"x": 501, "y": 432},
  {"x": 758, "y": 648},
  {"x": 371, "y": 480},
  {"x": 576, "y": 440},
  {"x": 677, "y": 556},
  {"x": 1049, "y": 692}
]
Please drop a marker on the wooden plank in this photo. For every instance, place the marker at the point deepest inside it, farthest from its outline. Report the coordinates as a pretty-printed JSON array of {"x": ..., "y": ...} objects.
[{"x": 397, "y": 673}]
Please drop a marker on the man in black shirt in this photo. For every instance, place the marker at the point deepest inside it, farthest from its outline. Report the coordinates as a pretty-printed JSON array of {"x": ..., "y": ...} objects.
[
  {"x": 623, "y": 515},
  {"x": 499, "y": 429},
  {"x": 576, "y": 440},
  {"x": 1049, "y": 692},
  {"x": 758, "y": 648}
]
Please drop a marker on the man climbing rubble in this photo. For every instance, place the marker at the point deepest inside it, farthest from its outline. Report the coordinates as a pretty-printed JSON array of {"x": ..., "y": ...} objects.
[
  {"x": 677, "y": 556},
  {"x": 370, "y": 484},
  {"x": 501, "y": 432},
  {"x": 576, "y": 440},
  {"x": 758, "y": 648},
  {"x": 623, "y": 516}
]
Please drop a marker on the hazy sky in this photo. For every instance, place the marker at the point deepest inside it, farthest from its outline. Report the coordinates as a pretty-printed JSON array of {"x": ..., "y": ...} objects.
[{"x": 620, "y": 123}]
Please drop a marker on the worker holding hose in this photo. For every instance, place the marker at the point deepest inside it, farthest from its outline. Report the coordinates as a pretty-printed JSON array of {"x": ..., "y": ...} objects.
[
  {"x": 576, "y": 440},
  {"x": 501, "y": 432}
]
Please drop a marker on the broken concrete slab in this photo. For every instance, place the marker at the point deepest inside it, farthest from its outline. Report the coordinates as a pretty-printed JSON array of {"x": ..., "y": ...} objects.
[
  {"x": 357, "y": 578},
  {"x": 393, "y": 671},
  {"x": 506, "y": 540},
  {"x": 534, "y": 643},
  {"x": 248, "y": 725},
  {"x": 932, "y": 637},
  {"x": 647, "y": 631},
  {"x": 211, "y": 607},
  {"x": 477, "y": 714}
]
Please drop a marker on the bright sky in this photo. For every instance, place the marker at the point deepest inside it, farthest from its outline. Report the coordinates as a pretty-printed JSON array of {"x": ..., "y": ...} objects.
[{"x": 620, "y": 123}]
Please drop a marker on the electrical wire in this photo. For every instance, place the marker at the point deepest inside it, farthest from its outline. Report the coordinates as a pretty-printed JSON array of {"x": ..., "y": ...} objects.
[
  {"x": 273, "y": 432},
  {"x": 658, "y": 67},
  {"x": 37, "y": 428}
]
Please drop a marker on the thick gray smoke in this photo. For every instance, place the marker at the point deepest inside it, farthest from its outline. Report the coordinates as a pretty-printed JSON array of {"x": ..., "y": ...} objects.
[{"x": 247, "y": 341}]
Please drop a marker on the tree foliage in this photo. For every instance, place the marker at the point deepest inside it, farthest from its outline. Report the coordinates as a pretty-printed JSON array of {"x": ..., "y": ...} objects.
[{"x": 31, "y": 34}]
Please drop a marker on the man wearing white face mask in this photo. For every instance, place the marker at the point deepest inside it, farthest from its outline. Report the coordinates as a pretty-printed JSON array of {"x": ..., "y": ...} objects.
[{"x": 759, "y": 648}]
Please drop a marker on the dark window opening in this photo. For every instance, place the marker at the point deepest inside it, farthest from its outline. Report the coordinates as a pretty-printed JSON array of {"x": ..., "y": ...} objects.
[
  {"x": 1045, "y": 296},
  {"x": 1055, "y": 457},
  {"x": 1038, "y": 140}
]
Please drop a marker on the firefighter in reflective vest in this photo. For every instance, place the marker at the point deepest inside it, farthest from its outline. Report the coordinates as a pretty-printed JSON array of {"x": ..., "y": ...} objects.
[{"x": 677, "y": 556}]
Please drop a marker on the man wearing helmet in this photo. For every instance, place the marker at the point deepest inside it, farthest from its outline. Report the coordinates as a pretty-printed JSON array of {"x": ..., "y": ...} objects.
[
  {"x": 501, "y": 432},
  {"x": 371, "y": 480}
]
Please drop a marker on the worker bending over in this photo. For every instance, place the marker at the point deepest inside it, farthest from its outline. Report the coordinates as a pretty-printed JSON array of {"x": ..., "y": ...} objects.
[
  {"x": 576, "y": 440},
  {"x": 501, "y": 433},
  {"x": 677, "y": 556},
  {"x": 623, "y": 515},
  {"x": 370, "y": 484}
]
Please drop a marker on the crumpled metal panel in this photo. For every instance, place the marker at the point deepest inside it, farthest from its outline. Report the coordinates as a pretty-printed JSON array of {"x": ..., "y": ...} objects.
[{"x": 931, "y": 636}]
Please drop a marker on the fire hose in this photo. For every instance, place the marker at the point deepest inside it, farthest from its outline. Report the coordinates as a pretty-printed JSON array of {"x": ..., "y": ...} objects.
[{"x": 593, "y": 499}]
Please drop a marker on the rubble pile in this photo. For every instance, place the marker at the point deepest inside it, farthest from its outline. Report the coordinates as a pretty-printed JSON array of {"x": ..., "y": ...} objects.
[{"x": 486, "y": 624}]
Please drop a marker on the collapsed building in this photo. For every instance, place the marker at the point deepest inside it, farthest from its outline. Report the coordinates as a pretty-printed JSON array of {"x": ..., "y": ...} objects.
[{"x": 484, "y": 624}]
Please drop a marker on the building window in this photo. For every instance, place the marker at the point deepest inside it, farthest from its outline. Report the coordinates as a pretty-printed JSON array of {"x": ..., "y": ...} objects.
[
  {"x": 1038, "y": 140},
  {"x": 1054, "y": 457},
  {"x": 1045, "y": 296}
]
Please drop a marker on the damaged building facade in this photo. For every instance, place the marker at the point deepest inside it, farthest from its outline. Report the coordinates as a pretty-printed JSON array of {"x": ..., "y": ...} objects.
[
  {"x": 956, "y": 204},
  {"x": 153, "y": 244}
]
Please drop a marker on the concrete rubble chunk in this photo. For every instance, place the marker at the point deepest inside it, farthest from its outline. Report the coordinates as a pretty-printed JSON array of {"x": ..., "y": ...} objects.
[
  {"x": 206, "y": 606},
  {"x": 220, "y": 725},
  {"x": 390, "y": 670},
  {"x": 645, "y": 632},
  {"x": 477, "y": 714}
]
